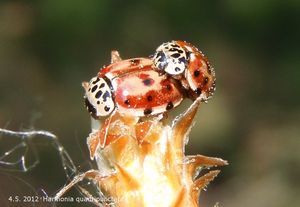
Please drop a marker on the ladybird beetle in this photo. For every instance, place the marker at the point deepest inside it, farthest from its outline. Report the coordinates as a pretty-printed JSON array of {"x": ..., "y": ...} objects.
[
  {"x": 131, "y": 86},
  {"x": 185, "y": 62}
]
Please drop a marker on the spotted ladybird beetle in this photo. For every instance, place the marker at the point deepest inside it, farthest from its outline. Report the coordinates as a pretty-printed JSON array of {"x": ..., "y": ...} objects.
[
  {"x": 186, "y": 63},
  {"x": 131, "y": 86}
]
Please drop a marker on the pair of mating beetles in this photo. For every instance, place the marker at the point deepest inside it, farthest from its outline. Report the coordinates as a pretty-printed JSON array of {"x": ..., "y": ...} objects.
[{"x": 150, "y": 86}]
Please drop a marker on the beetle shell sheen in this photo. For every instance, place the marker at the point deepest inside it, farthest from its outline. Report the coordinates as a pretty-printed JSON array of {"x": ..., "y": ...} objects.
[
  {"x": 135, "y": 88},
  {"x": 145, "y": 93}
]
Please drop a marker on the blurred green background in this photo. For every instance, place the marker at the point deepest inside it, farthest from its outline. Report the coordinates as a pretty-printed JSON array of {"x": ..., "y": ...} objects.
[{"x": 47, "y": 48}]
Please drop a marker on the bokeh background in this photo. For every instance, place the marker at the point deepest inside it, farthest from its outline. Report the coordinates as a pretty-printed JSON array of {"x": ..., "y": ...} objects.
[{"x": 47, "y": 48}]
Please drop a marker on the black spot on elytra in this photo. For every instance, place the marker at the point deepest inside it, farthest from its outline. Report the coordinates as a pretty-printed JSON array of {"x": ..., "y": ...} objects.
[
  {"x": 147, "y": 82},
  {"x": 102, "y": 85},
  {"x": 205, "y": 81},
  {"x": 126, "y": 102},
  {"x": 175, "y": 55},
  {"x": 147, "y": 111},
  {"x": 188, "y": 53},
  {"x": 106, "y": 108},
  {"x": 135, "y": 61},
  {"x": 95, "y": 81},
  {"x": 94, "y": 88},
  {"x": 169, "y": 87},
  {"x": 149, "y": 98},
  {"x": 98, "y": 102},
  {"x": 106, "y": 95},
  {"x": 169, "y": 106},
  {"x": 198, "y": 91},
  {"x": 196, "y": 73},
  {"x": 98, "y": 94}
]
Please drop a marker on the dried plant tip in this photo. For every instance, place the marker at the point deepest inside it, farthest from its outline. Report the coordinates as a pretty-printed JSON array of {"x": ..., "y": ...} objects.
[{"x": 148, "y": 157}]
